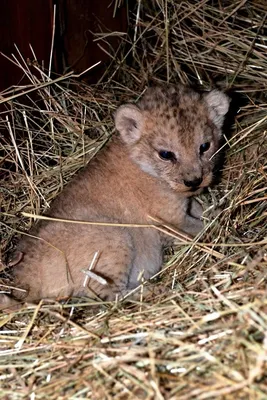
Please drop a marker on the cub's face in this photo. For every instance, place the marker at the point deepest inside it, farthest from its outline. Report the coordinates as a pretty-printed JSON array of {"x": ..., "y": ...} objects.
[{"x": 173, "y": 134}]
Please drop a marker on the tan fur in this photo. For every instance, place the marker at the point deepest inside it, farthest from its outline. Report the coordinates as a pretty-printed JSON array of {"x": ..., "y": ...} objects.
[{"x": 126, "y": 182}]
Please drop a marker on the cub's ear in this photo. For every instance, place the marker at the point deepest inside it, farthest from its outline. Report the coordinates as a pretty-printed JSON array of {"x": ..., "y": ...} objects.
[
  {"x": 218, "y": 105},
  {"x": 129, "y": 122}
]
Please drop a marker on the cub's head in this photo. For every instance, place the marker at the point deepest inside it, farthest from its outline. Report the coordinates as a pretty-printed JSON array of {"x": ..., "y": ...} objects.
[{"x": 172, "y": 134}]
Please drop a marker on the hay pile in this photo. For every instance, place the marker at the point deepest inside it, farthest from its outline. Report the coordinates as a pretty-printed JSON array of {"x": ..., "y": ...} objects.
[{"x": 202, "y": 333}]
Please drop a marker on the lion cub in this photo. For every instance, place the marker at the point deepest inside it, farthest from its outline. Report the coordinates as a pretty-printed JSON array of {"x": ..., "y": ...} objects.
[{"x": 161, "y": 158}]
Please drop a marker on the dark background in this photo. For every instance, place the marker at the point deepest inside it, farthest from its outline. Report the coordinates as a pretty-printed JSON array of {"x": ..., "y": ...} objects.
[{"x": 31, "y": 21}]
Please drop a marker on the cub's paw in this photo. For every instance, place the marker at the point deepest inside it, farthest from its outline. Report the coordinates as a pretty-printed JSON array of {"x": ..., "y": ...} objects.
[
  {"x": 8, "y": 304},
  {"x": 195, "y": 209}
]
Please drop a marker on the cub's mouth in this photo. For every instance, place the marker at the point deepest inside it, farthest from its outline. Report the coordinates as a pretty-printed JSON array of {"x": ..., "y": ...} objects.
[{"x": 195, "y": 189}]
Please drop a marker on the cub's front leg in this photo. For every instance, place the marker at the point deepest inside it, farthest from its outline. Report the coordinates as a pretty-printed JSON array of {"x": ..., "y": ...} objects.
[
  {"x": 193, "y": 223},
  {"x": 195, "y": 209}
]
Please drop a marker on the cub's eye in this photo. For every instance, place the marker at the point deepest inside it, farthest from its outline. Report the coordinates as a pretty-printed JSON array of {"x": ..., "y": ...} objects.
[
  {"x": 204, "y": 147},
  {"x": 167, "y": 155}
]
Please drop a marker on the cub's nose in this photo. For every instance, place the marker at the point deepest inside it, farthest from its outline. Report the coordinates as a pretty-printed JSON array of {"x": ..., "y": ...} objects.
[{"x": 194, "y": 183}]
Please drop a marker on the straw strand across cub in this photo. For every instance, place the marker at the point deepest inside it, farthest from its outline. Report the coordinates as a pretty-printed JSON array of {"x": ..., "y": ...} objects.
[{"x": 161, "y": 158}]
